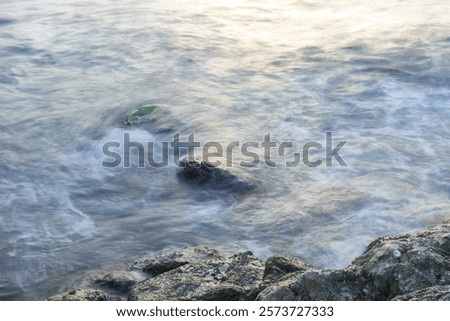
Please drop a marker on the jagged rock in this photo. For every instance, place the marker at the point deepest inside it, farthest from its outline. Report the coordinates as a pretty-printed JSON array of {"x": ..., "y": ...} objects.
[
  {"x": 183, "y": 283},
  {"x": 81, "y": 295},
  {"x": 245, "y": 270},
  {"x": 211, "y": 279},
  {"x": 396, "y": 265},
  {"x": 312, "y": 285},
  {"x": 166, "y": 263},
  {"x": 206, "y": 174},
  {"x": 278, "y": 266},
  {"x": 434, "y": 293}
]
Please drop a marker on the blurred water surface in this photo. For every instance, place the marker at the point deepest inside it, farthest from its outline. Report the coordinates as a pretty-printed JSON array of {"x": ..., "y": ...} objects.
[{"x": 375, "y": 74}]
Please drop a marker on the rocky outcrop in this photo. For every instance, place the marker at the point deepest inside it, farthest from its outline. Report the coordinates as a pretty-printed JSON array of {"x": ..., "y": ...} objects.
[
  {"x": 404, "y": 267},
  {"x": 397, "y": 265},
  {"x": 390, "y": 266}
]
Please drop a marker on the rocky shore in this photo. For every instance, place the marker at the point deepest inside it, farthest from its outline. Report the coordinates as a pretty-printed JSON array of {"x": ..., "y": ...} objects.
[{"x": 401, "y": 267}]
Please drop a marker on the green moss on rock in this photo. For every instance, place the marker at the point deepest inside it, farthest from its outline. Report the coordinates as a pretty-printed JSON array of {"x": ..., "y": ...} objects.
[{"x": 141, "y": 112}]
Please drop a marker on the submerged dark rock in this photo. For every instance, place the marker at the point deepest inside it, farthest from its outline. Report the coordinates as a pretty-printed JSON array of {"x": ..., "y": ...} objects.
[
  {"x": 403, "y": 267},
  {"x": 206, "y": 174},
  {"x": 155, "y": 118},
  {"x": 141, "y": 114}
]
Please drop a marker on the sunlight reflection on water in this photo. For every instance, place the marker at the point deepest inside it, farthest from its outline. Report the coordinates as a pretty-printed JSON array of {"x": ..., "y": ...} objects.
[{"x": 376, "y": 74}]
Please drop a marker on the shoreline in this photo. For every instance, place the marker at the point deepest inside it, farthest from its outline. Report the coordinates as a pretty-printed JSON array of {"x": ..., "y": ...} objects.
[{"x": 398, "y": 267}]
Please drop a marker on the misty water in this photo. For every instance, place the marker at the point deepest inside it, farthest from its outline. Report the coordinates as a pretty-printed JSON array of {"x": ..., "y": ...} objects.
[{"x": 375, "y": 75}]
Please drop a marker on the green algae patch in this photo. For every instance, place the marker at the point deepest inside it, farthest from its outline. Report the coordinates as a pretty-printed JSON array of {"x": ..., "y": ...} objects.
[{"x": 141, "y": 112}]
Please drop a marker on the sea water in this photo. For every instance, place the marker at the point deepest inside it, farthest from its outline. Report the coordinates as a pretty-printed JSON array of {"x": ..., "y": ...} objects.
[{"x": 376, "y": 75}]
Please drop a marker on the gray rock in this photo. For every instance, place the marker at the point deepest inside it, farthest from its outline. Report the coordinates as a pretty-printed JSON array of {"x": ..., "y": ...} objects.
[
  {"x": 245, "y": 270},
  {"x": 118, "y": 281},
  {"x": 434, "y": 293},
  {"x": 211, "y": 279},
  {"x": 312, "y": 285},
  {"x": 81, "y": 295},
  {"x": 397, "y": 265},
  {"x": 183, "y": 283},
  {"x": 222, "y": 292},
  {"x": 166, "y": 261},
  {"x": 158, "y": 268},
  {"x": 278, "y": 266}
]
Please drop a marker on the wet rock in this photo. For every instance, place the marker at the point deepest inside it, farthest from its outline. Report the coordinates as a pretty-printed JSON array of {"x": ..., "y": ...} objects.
[
  {"x": 203, "y": 173},
  {"x": 155, "y": 118},
  {"x": 143, "y": 114},
  {"x": 434, "y": 293},
  {"x": 332, "y": 201},
  {"x": 81, "y": 295}
]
